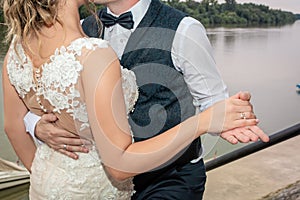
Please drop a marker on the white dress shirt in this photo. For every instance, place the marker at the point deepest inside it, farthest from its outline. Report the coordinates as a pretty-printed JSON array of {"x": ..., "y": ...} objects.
[{"x": 191, "y": 54}]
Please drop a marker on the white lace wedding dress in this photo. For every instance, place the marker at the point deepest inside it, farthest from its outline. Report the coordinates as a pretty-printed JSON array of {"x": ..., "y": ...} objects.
[{"x": 54, "y": 87}]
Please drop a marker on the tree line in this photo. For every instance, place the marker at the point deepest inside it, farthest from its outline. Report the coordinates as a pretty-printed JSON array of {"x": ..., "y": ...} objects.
[{"x": 211, "y": 13}]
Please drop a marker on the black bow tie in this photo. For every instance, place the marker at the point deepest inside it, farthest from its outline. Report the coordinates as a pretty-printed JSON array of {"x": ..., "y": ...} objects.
[{"x": 125, "y": 20}]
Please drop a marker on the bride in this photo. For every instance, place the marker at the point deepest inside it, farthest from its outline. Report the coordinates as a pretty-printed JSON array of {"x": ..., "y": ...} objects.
[{"x": 52, "y": 67}]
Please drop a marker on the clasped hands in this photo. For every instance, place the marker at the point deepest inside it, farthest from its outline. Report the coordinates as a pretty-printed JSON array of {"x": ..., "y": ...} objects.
[
  {"x": 233, "y": 118},
  {"x": 239, "y": 120}
]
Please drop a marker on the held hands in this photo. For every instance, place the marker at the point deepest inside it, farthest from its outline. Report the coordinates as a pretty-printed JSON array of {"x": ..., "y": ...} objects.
[
  {"x": 58, "y": 139},
  {"x": 233, "y": 118},
  {"x": 239, "y": 121},
  {"x": 244, "y": 135}
]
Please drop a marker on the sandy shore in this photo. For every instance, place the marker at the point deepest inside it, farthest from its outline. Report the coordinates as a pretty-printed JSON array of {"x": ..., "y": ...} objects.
[{"x": 257, "y": 175}]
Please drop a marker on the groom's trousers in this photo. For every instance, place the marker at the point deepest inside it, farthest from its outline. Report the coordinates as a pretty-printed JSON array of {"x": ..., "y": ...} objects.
[{"x": 181, "y": 180}]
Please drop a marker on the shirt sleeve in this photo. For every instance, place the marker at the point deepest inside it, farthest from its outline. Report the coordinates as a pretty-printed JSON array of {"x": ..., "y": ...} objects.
[
  {"x": 30, "y": 121},
  {"x": 192, "y": 55}
]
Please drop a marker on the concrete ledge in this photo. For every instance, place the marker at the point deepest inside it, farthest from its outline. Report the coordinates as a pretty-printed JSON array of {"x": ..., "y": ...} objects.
[{"x": 256, "y": 175}]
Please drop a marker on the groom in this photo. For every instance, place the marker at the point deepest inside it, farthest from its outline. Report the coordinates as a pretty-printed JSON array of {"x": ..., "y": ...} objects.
[{"x": 177, "y": 77}]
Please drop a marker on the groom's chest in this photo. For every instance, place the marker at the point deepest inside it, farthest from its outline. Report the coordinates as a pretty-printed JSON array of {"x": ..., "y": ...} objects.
[{"x": 118, "y": 38}]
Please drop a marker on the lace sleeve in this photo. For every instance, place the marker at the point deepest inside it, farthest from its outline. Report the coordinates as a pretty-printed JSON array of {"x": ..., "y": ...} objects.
[{"x": 130, "y": 89}]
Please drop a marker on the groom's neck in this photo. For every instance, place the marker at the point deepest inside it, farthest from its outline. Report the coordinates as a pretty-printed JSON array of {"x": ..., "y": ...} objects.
[{"x": 120, "y": 6}]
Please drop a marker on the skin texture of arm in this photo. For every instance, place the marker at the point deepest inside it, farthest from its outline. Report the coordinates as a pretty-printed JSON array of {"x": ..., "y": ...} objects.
[
  {"x": 109, "y": 123},
  {"x": 14, "y": 112}
]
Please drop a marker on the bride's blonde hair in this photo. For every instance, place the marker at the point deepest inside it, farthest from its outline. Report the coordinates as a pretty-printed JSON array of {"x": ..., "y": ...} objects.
[{"x": 25, "y": 18}]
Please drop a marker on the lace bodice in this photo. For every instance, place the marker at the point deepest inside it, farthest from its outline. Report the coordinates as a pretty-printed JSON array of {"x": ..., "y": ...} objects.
[
  {"x": 54, "y": 88},
  {"x": 60, "y": 75}
]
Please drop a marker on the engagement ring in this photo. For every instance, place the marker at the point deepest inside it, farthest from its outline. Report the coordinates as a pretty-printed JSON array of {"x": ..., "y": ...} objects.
[{"x": 243, "y": 115}]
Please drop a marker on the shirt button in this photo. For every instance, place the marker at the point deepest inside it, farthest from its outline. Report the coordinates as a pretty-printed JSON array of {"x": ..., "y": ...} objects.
[{"x": 121, "y": 40}]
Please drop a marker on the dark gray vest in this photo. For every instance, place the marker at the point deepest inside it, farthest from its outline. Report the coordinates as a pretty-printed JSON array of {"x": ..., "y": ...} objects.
[{"x": 164, "y": 99}]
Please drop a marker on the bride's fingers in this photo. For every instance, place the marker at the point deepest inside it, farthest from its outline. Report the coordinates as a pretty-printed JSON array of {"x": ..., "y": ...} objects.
[
  {"x": 245, "y": 115},
  {"x": 241, "y": 109},
  {"x": 239, "y": 102},
  {"x": 245, "y": 122},
  {"x": 246, "y": 96},
  {"x": 232, "y": 122},
  {"x": 238, "y": 106}
]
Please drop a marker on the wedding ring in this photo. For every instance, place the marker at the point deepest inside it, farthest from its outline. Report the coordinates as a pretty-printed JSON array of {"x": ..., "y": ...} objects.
[
  {"x": 243, "y": 115},
  {"x": 65, "y": 147}
]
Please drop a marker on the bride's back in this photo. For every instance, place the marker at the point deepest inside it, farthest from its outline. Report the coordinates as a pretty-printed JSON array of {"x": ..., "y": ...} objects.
[
  {"x": 40, "y": 48},
  {"x": 43, "y": 64}
]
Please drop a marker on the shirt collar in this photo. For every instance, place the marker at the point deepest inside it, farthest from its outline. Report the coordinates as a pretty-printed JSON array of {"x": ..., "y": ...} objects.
[{"x": 138, "y": 11}]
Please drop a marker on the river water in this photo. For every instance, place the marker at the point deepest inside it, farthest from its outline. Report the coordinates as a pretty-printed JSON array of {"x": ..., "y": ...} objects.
[{"x": 264, "y": 61}]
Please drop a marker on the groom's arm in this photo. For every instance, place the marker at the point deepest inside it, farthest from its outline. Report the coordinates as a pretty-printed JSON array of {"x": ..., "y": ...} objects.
[
  {"x": 192, "y": 55},
  {"x": 30, "y": 121},
  {"x": 43, "y": 130}
]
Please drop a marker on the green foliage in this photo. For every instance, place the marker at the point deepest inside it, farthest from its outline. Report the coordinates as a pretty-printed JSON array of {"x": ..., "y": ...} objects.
[
  {"x": 230, "y": 5},
  {"x": 84, "y": 11},
  {"x": 1, "y": 16},
  {"x": 210, "y": 13}
]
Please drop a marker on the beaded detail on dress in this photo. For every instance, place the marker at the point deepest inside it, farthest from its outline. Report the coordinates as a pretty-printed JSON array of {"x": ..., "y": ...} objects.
[{"x": 55, "y": 176}]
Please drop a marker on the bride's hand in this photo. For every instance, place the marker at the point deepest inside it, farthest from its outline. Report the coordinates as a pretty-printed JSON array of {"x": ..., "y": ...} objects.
[{"x": 232, "y": 113}]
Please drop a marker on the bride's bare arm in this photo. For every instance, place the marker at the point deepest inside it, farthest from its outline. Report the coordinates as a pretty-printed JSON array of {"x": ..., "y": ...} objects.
[
  {"x": 14, "y": 112},
  {"x": 107, "y": 115}
]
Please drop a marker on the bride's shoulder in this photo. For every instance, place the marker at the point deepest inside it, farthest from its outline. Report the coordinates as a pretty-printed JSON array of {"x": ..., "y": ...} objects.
[
  {"x": 90, "y": 43},
  {"x": 82, "y": 43},
  {"x": 94, "y": 48},
  {"x": 98, "y": 41}
]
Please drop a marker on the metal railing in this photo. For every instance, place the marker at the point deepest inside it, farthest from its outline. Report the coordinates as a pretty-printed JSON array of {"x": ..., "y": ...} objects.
[{"x": 254, "y": 147}]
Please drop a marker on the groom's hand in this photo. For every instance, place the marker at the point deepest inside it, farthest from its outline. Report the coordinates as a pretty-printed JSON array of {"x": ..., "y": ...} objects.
[
  {"x": 248, "y": 133},
  {"x": 58, "y": 139},
  {"x": 245, "y": 135}
]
